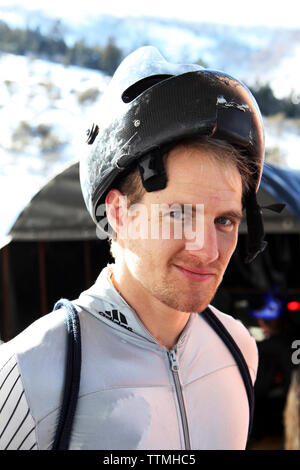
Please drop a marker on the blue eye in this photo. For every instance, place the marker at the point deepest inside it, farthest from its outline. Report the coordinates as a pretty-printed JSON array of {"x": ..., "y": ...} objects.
[
  {"x": 178, "y": 215},
  {"x": 225, "y": 221}
]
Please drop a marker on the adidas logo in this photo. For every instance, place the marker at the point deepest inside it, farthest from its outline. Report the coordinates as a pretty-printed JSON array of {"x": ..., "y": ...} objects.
[{"x": 116, "y": 317}]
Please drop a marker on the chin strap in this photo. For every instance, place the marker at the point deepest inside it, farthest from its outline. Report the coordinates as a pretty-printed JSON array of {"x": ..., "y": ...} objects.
[{"x": 256, "y": 242}]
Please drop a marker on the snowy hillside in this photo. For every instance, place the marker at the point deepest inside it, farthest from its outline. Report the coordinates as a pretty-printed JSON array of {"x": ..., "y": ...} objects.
[
  {"x": 45, "y": 110},
  {"x": 253, "y": 54}
]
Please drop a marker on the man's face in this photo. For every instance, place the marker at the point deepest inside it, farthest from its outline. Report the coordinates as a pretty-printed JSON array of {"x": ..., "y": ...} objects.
[{"x": 184, "y": 273}]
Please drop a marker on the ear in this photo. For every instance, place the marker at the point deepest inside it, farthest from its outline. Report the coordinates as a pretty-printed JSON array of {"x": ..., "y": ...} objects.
[{"x": 116, "y": 210}]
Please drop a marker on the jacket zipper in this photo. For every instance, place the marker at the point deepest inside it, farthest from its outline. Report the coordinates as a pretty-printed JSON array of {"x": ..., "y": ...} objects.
[{"x": 179, "y": 394}]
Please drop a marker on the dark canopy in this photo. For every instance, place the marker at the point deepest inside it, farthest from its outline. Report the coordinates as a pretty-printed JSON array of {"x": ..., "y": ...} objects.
[
  {"x": 57, "y": 211},
  {"x": 283, "y": 184}
]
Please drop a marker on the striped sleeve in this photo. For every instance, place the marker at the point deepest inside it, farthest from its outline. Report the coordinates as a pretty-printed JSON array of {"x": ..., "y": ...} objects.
[{"x": 17, "y": 427}]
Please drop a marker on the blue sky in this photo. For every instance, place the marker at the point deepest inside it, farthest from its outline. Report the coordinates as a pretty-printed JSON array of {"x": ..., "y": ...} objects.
[{"x": 258, "y": 12}]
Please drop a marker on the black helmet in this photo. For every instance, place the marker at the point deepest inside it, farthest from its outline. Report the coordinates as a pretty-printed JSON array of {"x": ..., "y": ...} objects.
[{"x": 149, "y": 105}]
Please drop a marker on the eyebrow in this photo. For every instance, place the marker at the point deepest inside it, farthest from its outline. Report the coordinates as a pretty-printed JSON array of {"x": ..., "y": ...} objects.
[
  {"x": 234, "y": 214},
  {"x": 238, "y": 215}
]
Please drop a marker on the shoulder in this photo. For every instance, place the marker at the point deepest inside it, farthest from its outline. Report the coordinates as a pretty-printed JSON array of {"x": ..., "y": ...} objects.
[
  {"x": 242, "y": 337},
  {"x": 27, "y": 377},
  {"x": 38, "y": 355},
  {"x": 38, "y": 335}
]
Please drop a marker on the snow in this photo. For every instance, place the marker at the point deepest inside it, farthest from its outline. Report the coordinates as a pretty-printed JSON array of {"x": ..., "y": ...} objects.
[
  {"x": 287, "y": 77},
  {"x": 284, "y": 134},
  {"x": 37, "y": 93}
]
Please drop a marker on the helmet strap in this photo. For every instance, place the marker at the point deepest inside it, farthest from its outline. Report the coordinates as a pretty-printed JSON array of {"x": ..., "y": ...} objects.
[
  {"x": 256, "y": 242},
  {"x": 152, "y": 170}
]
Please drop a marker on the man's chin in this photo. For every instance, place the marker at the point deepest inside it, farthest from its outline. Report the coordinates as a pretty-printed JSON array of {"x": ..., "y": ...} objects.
[
  {"x": 187, "y": 306},
  {"x": 183, "y": 298}
]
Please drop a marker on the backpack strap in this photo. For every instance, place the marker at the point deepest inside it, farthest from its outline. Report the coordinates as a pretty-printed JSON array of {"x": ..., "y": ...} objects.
[
  {"x": 72, "y": 376},
  {"x": 226, "y": 337}
]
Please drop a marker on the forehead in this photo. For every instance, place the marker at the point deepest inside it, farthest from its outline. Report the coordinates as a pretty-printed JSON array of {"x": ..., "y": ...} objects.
[{"x": 196, "y": 174}]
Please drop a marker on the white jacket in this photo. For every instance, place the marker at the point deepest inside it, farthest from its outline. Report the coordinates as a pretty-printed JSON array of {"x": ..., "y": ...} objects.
[{"x": 134, "y": 393}]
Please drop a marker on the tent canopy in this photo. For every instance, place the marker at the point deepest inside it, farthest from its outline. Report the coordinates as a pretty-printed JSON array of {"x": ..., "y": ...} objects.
[
  {"x": 284, "y": 185},
  {"x": 57, "y": 212}
]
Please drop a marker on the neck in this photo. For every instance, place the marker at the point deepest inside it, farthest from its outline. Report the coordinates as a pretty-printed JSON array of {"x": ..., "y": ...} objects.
[{"x": 163, "y": 322}]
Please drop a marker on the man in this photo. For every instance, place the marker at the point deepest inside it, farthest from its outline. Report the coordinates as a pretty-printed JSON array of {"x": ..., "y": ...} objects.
[{"x": 176, "y": 156}]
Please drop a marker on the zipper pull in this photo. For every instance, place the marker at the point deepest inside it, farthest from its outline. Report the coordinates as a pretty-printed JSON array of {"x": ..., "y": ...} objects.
[{"x": 173, "y": 360}]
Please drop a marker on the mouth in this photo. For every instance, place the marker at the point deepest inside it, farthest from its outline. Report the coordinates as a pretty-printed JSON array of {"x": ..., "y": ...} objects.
[{"x": 195, "y": 274}]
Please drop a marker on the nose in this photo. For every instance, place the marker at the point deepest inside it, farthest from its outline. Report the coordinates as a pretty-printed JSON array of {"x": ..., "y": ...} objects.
[{"x": 204, "y": 244}]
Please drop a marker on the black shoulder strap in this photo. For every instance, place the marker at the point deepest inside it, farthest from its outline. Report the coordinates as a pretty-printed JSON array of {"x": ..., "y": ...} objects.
[
  {"x": 72, "y": 376},
  {"x": 220, "y": 329}
]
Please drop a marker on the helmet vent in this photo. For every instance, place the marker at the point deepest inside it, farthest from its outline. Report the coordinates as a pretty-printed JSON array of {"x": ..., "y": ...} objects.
[{"x": 142, "y": 85}]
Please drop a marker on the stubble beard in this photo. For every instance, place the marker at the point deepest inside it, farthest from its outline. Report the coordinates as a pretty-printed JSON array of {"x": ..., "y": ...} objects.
[
  {"x": 185, "y": 296},
  {"x": 191, "y": 299}
]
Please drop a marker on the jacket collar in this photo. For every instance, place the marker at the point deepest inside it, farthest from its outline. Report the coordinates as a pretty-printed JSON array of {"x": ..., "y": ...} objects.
[{"x": 105, "y": 302}]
